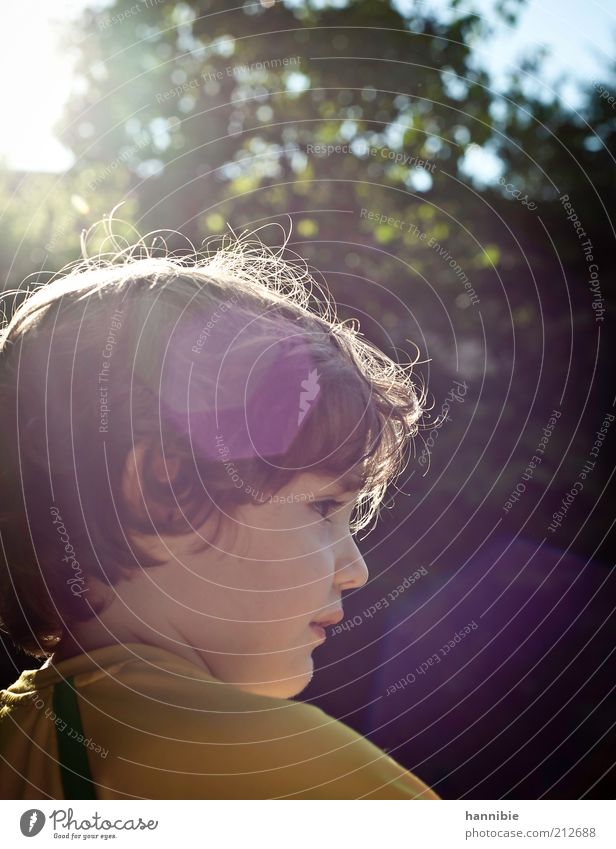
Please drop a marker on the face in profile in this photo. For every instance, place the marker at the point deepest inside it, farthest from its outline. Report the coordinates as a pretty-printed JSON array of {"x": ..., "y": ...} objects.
[
  {"x": 256, "y": 606},
  {"x": 265, "y": 603}
]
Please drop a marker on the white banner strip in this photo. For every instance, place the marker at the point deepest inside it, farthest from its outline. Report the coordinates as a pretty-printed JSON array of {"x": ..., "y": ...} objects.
[{"x": 307, "y": 824}]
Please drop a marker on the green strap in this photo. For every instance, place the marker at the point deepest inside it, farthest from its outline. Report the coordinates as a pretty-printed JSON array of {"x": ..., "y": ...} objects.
[{"x": 74, "y": 768}]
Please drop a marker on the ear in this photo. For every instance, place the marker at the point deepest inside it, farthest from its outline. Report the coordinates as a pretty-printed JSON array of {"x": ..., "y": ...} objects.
[{"x": 143, "y": 462}]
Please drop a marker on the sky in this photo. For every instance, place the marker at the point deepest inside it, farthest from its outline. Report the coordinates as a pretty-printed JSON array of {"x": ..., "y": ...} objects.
[{"x": 581, "y": 38}]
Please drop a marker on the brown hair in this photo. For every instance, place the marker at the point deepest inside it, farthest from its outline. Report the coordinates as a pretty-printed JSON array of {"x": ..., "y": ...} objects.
[{"x": 229, "y": 370}]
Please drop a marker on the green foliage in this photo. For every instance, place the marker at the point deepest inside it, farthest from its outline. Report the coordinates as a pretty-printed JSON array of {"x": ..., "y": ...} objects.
[{"x": 198, "y": 117}]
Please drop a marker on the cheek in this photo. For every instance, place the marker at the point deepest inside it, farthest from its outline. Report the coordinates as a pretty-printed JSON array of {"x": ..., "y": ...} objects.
[
  {"x": 275, "y": 532},
  {"x": 287, "y": 557},
  {"x": 297, "y": 588},
  {"x": 297, "y": 592},
  {"x": 273, "y": 571}
]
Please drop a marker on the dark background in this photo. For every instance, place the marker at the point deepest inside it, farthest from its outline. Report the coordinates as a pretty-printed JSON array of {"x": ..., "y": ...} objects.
[{"x": 522, "y": 707}]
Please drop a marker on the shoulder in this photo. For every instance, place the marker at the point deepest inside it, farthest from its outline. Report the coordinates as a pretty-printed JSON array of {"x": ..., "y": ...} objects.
[{"x": 172, "y": 733}]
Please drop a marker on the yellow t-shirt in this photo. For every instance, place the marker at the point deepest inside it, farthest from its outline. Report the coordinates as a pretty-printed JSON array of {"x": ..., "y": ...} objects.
[{"x": 155, "y": 726}]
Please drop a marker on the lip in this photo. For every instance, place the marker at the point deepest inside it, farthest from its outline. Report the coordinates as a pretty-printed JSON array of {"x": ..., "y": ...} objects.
[
  {"x": 319, "y": 625},
  {"x": 331, "y": 619},
  {"x": 319, "y": 631}
]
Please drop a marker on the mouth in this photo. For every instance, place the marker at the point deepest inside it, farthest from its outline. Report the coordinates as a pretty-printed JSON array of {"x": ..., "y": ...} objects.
[{"x": 319, "y": 625}]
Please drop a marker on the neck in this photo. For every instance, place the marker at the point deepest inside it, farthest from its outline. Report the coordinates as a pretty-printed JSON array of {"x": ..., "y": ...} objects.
[{"x": 85, "y": 637}]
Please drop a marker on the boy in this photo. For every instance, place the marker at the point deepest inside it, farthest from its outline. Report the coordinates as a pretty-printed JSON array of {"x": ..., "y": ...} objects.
[{"x": 188, "y": 447}]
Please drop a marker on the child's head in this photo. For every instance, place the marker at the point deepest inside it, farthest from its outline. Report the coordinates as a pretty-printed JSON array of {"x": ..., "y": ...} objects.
[{"x": 171, "y": 432}]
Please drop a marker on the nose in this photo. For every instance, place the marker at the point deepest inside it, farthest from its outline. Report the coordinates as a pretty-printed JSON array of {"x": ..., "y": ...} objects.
[{"x": 351, "y": 569}]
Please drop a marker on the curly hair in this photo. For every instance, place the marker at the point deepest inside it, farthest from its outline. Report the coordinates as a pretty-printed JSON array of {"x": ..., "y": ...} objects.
[{"x": 228, "y": 366}]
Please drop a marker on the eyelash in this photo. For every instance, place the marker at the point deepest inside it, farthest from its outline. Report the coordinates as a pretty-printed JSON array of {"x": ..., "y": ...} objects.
[{"x": 330, "y": 502}]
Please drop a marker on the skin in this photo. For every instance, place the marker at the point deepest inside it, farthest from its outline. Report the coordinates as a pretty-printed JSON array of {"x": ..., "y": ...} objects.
[{"x": 243, "y": 609}]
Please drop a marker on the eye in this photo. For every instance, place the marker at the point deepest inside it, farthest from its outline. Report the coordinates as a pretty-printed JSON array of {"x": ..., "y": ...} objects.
[{"x": 324, "y": 507}]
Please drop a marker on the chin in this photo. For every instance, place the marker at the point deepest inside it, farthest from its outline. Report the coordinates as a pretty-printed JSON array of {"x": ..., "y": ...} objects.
[
  {"x": 286, "y": 687},
  {"x": 293, "y": 686}
]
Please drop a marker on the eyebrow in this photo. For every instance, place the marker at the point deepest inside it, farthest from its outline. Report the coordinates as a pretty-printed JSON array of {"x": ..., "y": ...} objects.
[{"x": 352, "y": 482}]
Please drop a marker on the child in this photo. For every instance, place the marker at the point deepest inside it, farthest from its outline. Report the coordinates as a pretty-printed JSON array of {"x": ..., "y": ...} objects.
[{"x": 188, "y": 446}]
